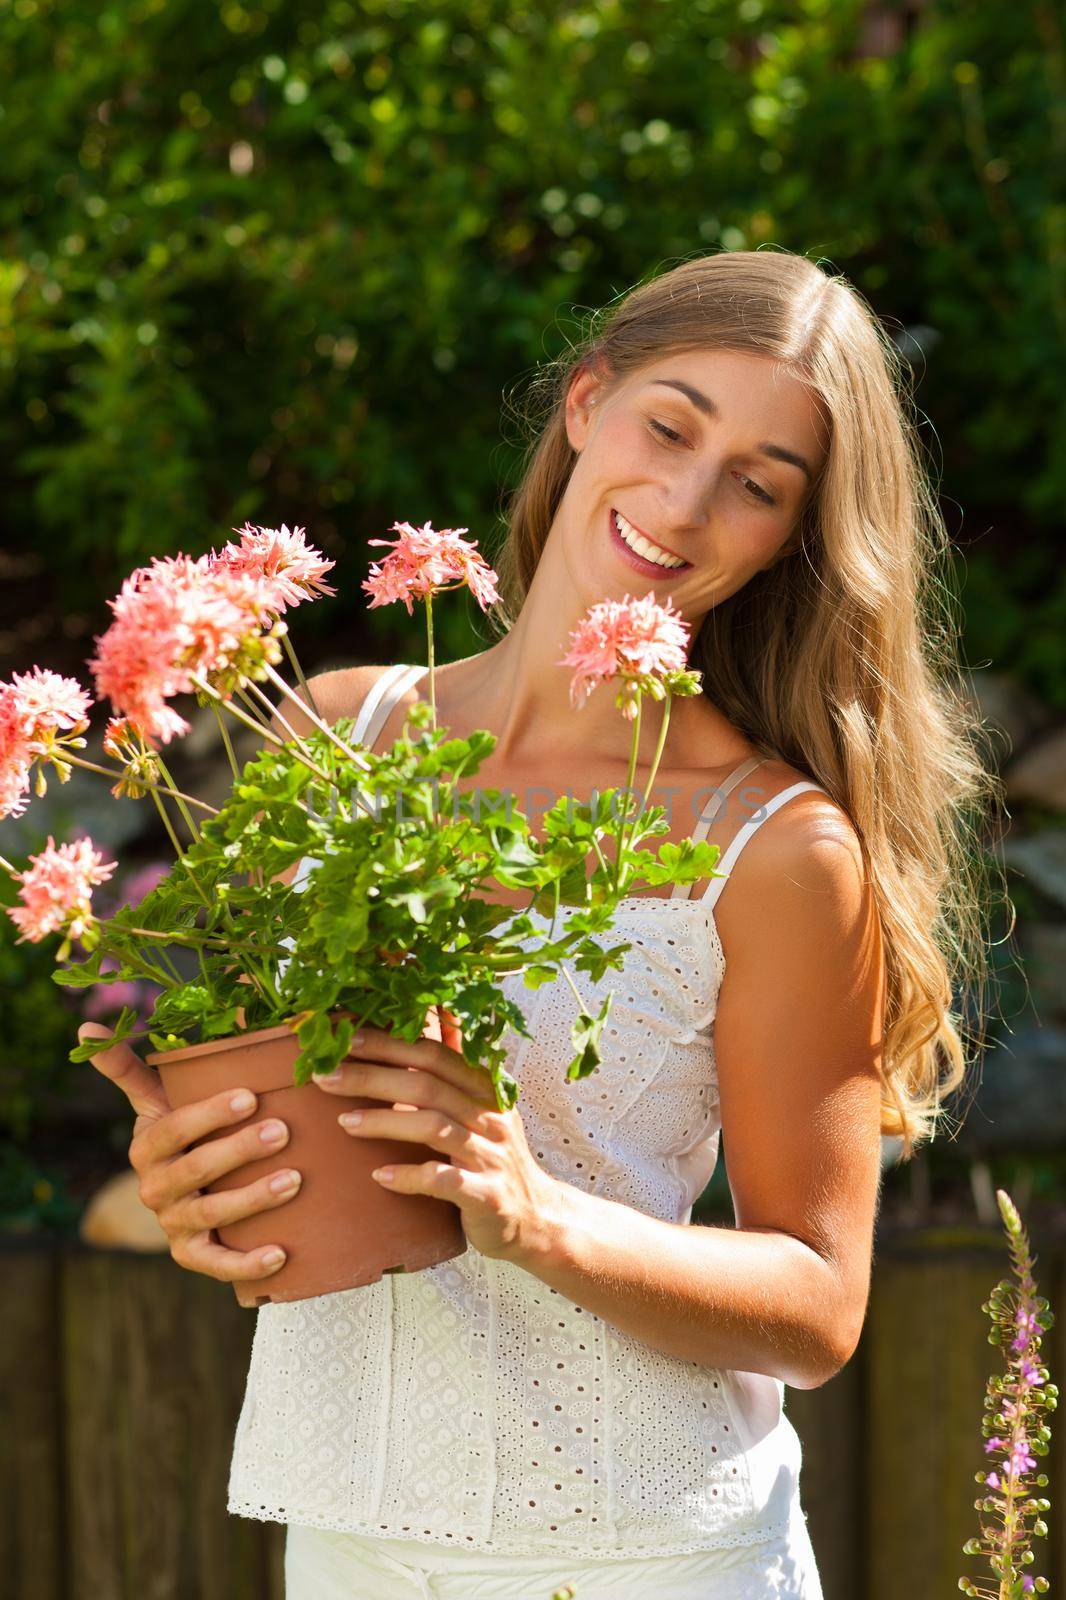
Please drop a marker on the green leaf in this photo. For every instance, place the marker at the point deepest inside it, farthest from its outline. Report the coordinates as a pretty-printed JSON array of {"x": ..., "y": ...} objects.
[
  {"x": 585, "y": 1037},
  {"x": 122, "y": 1029}
]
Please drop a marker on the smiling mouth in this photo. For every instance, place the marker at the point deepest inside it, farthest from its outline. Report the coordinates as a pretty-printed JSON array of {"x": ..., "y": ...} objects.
[{"x": 645, "y": 549}]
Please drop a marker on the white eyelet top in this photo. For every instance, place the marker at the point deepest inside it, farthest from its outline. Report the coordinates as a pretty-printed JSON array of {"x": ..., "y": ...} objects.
[{"x": 470, "y": 1404}]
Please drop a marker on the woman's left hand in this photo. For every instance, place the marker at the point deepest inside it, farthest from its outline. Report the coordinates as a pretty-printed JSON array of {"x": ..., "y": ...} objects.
[{"x": 436, "y": 1098}]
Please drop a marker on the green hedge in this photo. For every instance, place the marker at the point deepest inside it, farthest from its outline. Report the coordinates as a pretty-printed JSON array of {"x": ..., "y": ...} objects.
[{"x": 288, "y": 261}]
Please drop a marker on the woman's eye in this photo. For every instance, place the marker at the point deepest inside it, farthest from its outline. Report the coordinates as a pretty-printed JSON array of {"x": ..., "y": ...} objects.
[
  {"x": 675, "y": 438},
  {"x": 753, "y": 488},
  {"x": 760, "y": 494}
]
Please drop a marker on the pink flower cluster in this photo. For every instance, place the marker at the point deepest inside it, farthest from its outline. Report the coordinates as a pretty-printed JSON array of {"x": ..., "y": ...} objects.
[
  {"x": 56, "y": 890},
  {"x": 39, "y": 712},
  {"x": 425, "y": 560},
  {"x": 631, "y": 639},
  {"x": 289, "y": 570},
  {"x": 179, "y": 618}
]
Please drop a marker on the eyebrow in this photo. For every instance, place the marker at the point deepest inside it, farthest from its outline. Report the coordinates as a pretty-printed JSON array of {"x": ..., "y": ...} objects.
[{"x": 704, "y": 403}]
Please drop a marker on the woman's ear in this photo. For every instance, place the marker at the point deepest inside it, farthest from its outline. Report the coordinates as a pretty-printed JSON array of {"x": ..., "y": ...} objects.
[{"x": 581, "y": 402}]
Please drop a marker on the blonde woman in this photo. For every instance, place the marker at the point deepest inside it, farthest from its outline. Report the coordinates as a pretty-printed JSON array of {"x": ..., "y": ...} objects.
[{"x": 594, "y": 1391}]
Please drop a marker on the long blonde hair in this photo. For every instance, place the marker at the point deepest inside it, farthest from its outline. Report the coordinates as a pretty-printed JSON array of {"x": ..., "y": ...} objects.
[{"x": 841, "y": 658}]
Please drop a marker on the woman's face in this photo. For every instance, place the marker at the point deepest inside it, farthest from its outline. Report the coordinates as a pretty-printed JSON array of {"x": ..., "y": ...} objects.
[{"x": 700, "y": 454}]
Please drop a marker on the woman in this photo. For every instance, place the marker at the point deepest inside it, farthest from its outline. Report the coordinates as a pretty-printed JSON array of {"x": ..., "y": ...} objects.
[{"x": 593, "y": 1391}]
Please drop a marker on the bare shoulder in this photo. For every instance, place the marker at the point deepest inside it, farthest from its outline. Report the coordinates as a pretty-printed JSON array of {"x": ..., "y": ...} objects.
[
  {"x": 803, "y": 823},
  {"x": 337, "y": 693},
  {"x": 803, "y": 863},
  {"x": 341, "y": 693}
]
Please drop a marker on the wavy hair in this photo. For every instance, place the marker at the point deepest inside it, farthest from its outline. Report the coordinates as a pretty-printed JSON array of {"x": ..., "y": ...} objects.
[{"x": 842, "y": 658}]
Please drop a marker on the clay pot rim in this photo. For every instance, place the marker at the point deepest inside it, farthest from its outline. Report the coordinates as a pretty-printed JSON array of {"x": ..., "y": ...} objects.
[{"x": 229, "y": 1041}]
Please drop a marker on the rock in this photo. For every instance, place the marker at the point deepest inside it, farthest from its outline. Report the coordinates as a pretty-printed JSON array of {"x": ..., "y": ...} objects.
[
  {"x": 1042, "y": 859},
  {"x": 116, "y": 1218},
  {"x": 1040, "y": 773}
]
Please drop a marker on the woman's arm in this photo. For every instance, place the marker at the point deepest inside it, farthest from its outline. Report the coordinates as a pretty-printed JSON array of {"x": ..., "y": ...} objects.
[{"x": 798, "y": 1040}]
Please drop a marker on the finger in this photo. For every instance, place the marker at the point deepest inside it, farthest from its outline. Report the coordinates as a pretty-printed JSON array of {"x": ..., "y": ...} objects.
[
  {"x": 206, "y": 1211},
  {"x": 411, "y": 1086},
  {"x": 438, "y": 1178},
  {"x": 173, "y": 1134},
  {"x": 446, "y": 1134},
  {"x": 450, "y": 1031},
  {"x": 138, "y": 1082},
  {"x": 430, "y": 1055},
  {"x": 169, "y": 1181},
  {"x": 201, "y": 1253}
]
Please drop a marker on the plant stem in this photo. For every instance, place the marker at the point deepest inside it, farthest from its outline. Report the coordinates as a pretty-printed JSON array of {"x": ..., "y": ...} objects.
[
  {"x": 277, "y": 712},
  {"x": 144, "y": 783},
  {"x": 178, "y": 851},
  {"x": 323, "y": 727},
  {"x": 226, "y": 740},
  {"x": 153, "y": 974},
  {"x": 182, "y": 807},
  {"x": 658, "y": 748},
  {"x": 164, "y": 956},
  {"x": 430, "y": 659},
  {"x": 629, "y": 786},
  {"x": 250, "y": 722},
  {"x": 300, "y": 679}
]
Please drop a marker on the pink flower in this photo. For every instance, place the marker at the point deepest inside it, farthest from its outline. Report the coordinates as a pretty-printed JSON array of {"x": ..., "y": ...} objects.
[
  {"x": 56, "y": 890},
  {"x": 39, "y": 712},
  {"x": 1021, "y": 1460},
  {"x": 632, "y": 639},
  {"x": 171, "y": 619},
  {"x": 286, "y": 566},
  {"x": 15, "y": 757},
  {"x": 50, "y": 702},
  {"x": 424, "y": 561},
  {"x": 1028, "y": 1326},
  {"x": 1029, "y": 1373}
]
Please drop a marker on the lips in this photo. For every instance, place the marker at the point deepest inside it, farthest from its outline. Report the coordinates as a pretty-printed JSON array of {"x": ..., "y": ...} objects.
[{"x": 633, "y": 558}]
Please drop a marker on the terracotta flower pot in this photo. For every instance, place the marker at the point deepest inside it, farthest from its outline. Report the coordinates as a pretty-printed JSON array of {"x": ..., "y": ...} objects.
[{"x": 342, "y": 1228}]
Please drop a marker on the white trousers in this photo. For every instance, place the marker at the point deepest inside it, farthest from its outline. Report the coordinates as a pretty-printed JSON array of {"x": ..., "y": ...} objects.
[{"x": 321, "y": 1564}]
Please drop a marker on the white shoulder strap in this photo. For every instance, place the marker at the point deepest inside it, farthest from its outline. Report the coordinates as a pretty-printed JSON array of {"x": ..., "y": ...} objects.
[
  {"x": 371, "y": 717},
  {"x": 742, "y": 836},
  {"x": 382, "y": 696},
  {"x": 718, "y": 799}
]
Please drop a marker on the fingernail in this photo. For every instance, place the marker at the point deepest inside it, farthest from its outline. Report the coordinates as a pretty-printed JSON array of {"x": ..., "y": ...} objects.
[
  {"x": 273, "y": 1258},
  {"x": 243, "y": 1101},
  {"x": 383, "y": 1174},
  {"x": 351, "y": 1119},
  {"x": 285, "y": 1180},
  {"x": 270, "y": 1131},
  {"x": 329, "y": 1077}
]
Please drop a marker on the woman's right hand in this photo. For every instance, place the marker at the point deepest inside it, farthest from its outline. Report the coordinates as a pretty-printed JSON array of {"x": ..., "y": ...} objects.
[{"x": 171, "y": 1175}]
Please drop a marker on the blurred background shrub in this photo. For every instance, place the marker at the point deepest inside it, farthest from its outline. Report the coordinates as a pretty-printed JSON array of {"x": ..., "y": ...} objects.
[{"x": 294, "y": 263}]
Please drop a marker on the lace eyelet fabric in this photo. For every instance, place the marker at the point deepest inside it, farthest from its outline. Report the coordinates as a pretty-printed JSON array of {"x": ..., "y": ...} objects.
[{"x": 471, "y": 1405}]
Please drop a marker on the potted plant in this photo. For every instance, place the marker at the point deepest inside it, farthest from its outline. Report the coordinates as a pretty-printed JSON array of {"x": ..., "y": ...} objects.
[{"x": 390, "y": 926}]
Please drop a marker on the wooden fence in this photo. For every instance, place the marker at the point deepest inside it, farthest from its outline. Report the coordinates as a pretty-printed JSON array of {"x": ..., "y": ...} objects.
[{"x": 121, "y": 1379}]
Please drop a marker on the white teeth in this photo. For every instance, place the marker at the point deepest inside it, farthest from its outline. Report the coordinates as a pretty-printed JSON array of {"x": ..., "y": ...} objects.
[{"x": 636, "y": 541}]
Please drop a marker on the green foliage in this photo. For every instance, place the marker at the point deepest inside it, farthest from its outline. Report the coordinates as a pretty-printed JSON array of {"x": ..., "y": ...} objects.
[
  {"x": 390, "y": 920},
  {"x": 266, "y": 248}
]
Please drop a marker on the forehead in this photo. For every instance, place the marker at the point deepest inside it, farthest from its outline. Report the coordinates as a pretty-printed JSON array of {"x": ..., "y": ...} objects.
[{"x": 743, "y": 389}]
